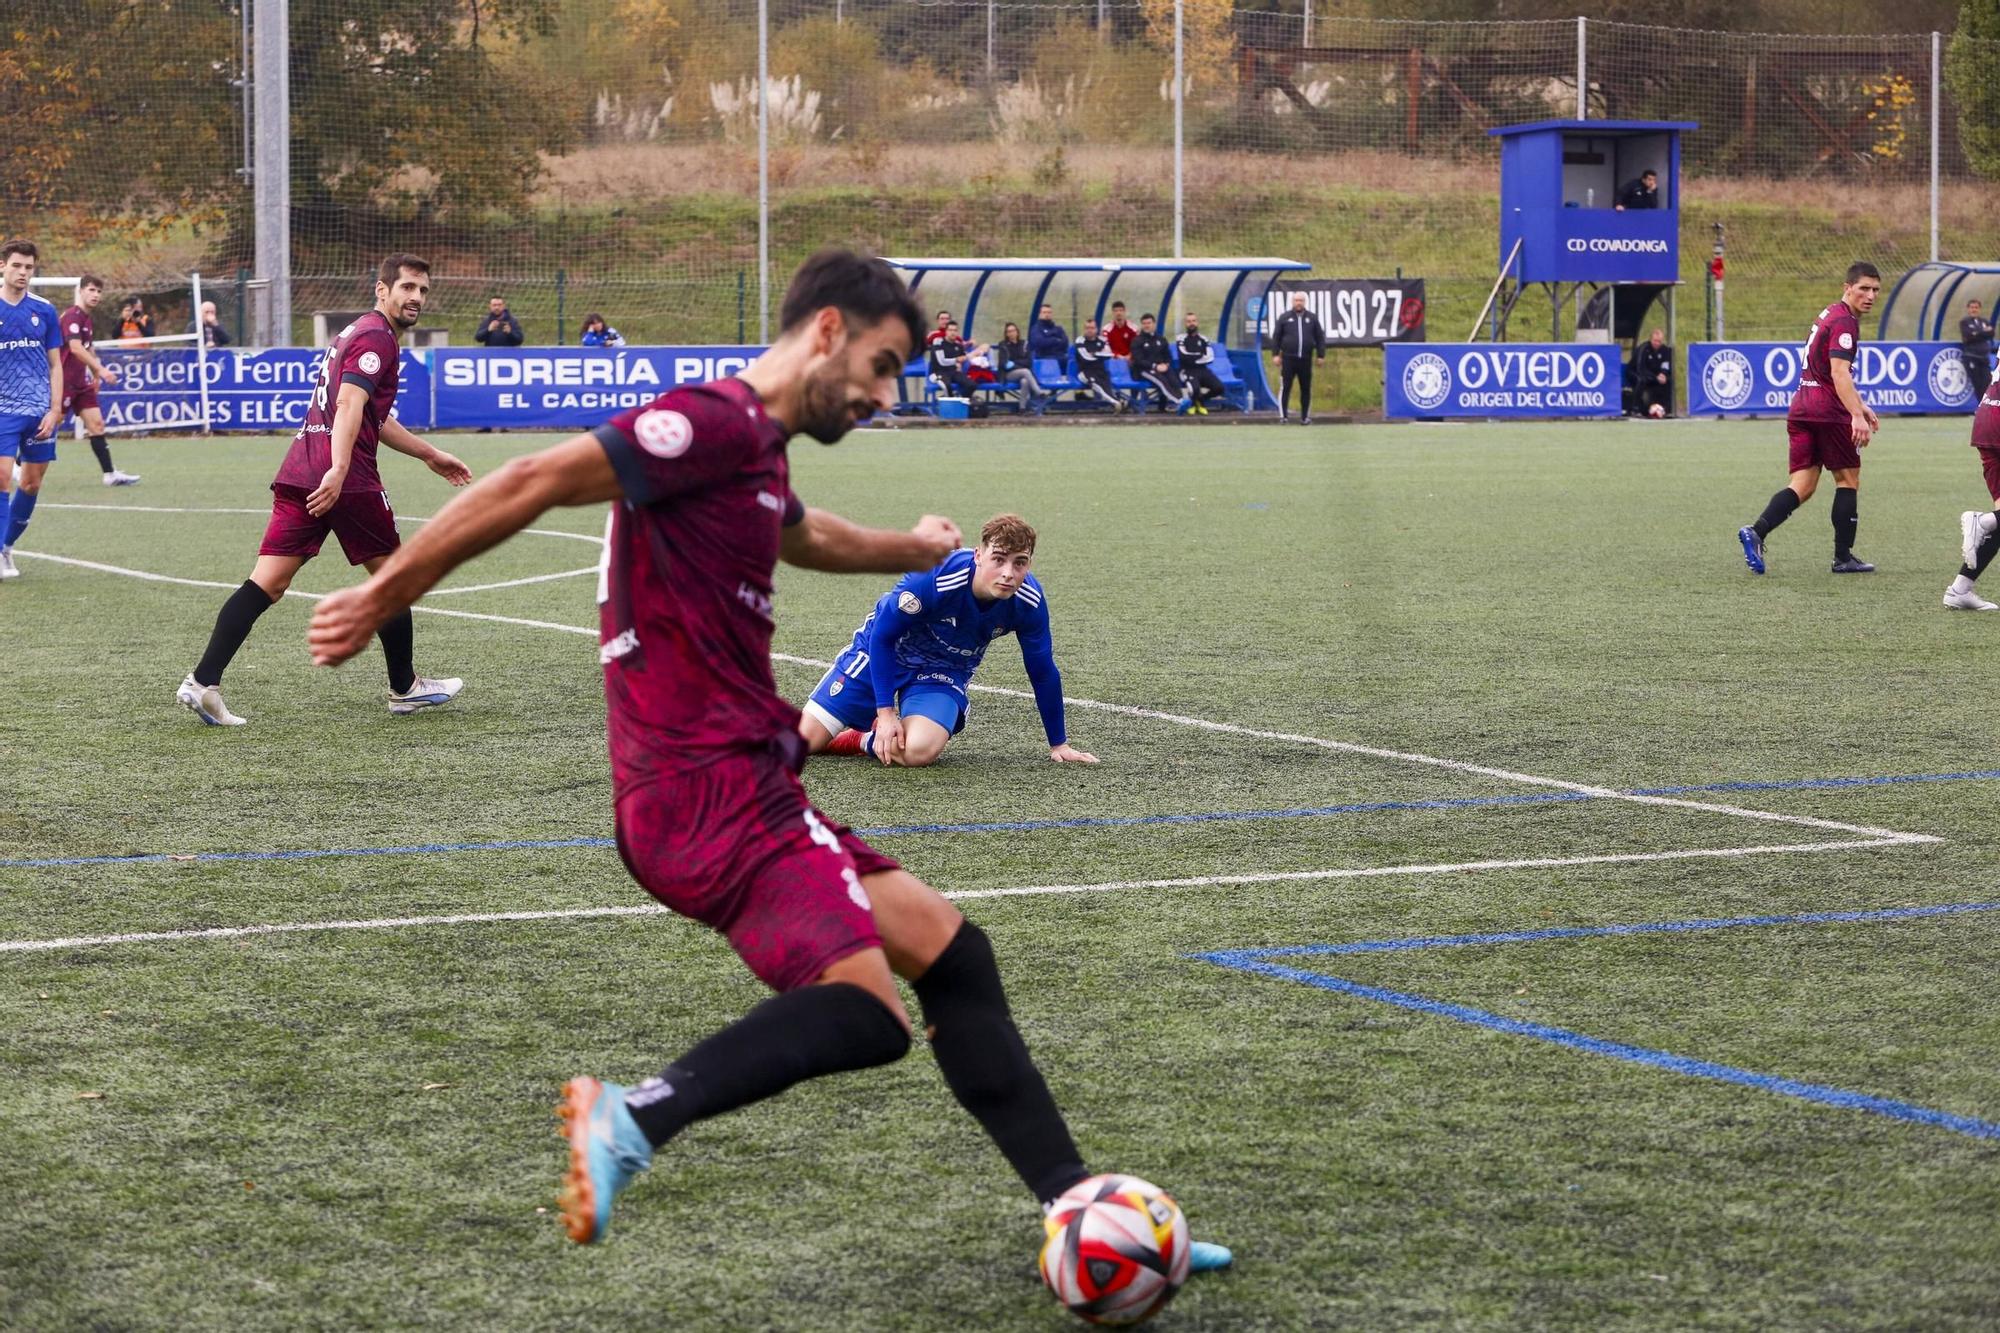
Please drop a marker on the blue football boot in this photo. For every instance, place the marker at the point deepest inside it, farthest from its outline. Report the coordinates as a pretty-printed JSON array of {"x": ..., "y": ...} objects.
[
  {"x": 1208, "y": 1257},
  {"x": 1753, "y": 549},
  {"x": 606, "y": 1151}
]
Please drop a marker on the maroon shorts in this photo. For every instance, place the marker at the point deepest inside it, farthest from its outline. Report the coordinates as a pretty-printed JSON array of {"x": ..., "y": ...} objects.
[
  {"x": 1989, "y": 463},
  {"x": 1827, "y": 444},
  {"x": 362, "y": 520},
  {"x": 736, "y": 846},
  {"x": 82, "y": 396}
]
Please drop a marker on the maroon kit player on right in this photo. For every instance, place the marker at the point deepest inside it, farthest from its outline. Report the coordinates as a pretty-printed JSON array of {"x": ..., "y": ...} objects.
[
  {"x": 1979, "y": 530},
  {"x": 1828, "y": 424},
  {"x": 328, "y": 484},
  {"x": 711, "y": 816}
]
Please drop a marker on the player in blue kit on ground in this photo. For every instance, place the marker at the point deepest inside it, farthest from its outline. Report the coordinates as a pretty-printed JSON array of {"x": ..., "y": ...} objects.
[
  {"x": 30, "y": 393},
  {"x": 899, "y": 691}
]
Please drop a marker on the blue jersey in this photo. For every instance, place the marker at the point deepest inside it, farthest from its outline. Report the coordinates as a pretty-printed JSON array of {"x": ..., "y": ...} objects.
[
  {"x": 28, "y": 333},
  {"x": 930, "y": 630}
]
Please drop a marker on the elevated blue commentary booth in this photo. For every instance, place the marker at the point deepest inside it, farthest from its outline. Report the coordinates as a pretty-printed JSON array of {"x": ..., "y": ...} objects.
[
  {"x": 1559, "y": 220},
  {"x": 1228, "y": 295}
]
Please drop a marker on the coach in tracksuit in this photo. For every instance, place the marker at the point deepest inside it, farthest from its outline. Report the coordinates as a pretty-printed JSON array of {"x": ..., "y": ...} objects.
[
  {"x": 1975, "y": 343},
  {"x": 1300, "y": 342},
  {"x": 1153, "y": 363},
  {"x": 1198, "y": 367},
  {"x": 1093, "y": 367}
]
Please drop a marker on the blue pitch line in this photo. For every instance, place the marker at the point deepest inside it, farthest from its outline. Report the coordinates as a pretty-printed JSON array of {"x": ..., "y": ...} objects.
[
  {"x": 1036, "y": 825},
  {"x": 1230, "y": 957},
  {"x": 1641, "y": 1055}
]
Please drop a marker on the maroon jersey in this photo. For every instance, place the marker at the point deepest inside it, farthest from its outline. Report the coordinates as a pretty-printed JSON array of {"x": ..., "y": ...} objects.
[
  {"x": 1835, "y": 336},
  {"x": 363, "y": 354},
  {"x": 685, "y": 596},
  {"x": 1986, "y": 419},
  {"x": 75, "y": 323}
]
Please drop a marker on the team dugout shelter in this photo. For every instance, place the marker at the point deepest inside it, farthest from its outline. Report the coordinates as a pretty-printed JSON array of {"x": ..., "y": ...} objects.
[
  {"x": 1930, "y": 300},
  {"x": 986, "y": 294}
]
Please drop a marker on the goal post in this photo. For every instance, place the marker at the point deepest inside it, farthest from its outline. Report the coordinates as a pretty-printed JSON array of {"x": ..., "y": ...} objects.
[{"x": 152, "y": 361}]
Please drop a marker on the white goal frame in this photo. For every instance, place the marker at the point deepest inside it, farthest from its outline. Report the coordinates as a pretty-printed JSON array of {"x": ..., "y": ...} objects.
[{"x": 205, "y": 420}]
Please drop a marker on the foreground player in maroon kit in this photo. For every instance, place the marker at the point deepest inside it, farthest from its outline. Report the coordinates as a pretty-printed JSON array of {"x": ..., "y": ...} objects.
[
  {"x": 711, "y": 817},
  {"x": 1828, "y": 424},
  {"x": 1979, "y": 531},
  {"x": 328, "y": 483},
  {"x": 83, "y": 372}
]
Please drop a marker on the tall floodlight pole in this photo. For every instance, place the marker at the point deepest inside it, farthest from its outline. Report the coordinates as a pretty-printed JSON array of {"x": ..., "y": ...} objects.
[
  {"x": 1180, "y": 99},
  {"x": 1582, "y": 71},
  {"x": 764, "y": 172},
  {"x": 1308, "y": 34},
  {"x": 272, "y": 183},
  {"x": 1937, "y": 53},
  {"x": 989, "y": 42}
]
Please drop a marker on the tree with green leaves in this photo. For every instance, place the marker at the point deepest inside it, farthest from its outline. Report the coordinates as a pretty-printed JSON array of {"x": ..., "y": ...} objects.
[{"x": 1972, "y": 71}]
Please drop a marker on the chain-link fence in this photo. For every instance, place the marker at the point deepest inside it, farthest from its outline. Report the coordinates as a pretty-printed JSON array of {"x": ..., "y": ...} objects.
[{"x": 602, "y": 156}]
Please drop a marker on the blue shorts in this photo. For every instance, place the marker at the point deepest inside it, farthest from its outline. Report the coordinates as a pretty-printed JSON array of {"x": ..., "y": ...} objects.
[
  {"x": 17, "y": 437},
  {"x": 841, "y": 701}
]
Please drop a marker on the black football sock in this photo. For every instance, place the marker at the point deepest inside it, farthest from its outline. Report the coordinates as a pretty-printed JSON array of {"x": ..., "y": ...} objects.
[
  {"x": 987, "y": 1067},
  {"x": 232, "y": 627},
  {"x": 1989, "y": 546},
  {"x": 102, "y": 450},
  {"x": 398, "y": 644},
  {"x": 1846, "y": 521},
  {"x": 802, "y": 1034},
  {"x": 1781, "y": 507}
]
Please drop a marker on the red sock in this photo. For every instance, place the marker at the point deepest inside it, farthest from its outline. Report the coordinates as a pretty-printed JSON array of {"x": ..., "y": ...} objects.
[{"x": 847, "y": 742}]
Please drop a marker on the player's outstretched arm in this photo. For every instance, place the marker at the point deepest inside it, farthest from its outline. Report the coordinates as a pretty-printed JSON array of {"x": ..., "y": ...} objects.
[
  {"x": 575, "y": 472},
  {"x": 399, "y": 437},
  {"x": 826, "y": 541}
]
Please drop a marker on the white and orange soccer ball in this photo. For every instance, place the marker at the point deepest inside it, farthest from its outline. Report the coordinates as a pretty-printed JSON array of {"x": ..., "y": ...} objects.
[{"x": 1117, "y": 1249}]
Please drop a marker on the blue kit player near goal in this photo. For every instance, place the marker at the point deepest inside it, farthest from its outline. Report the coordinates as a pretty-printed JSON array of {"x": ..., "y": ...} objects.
[
  {"x": 30, "y": 394},
  {"x": 898, "y": 692}
]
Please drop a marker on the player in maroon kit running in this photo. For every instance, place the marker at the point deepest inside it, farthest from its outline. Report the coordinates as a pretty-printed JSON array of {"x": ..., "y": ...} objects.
[
  {"x": 82, "y": 371},
  {"x": 711, "y": 817},
  {"x": 1979, "y": 530},
  {"x": 328, "y": 483},
  {"x": 1829, "y": 425}
]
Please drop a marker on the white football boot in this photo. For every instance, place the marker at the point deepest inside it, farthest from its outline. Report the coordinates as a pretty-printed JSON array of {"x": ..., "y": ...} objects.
[
  {"x": 7, "y": 569},
  {"x": 116, "y": 478},
  {"x": 1969, "y": 600},
  {"x": 425, "y": 693},
  {"x": 205, "y": 702}
]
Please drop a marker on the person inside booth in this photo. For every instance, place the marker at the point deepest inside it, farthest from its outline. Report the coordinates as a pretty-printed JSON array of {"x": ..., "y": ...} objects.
[{"x": 1641, "y": 193}]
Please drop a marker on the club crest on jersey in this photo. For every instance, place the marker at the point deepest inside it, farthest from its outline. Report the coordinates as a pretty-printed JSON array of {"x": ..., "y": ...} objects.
[
  {"x": 909, "y": 603},
  {"x": 663, "y": 432},
  {"x": 369, "y": 363},
  {"x": 1847, "y": 342}
]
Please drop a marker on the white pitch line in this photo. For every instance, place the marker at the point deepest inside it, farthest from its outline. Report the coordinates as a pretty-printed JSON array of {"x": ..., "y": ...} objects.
[
  {"x": 400, "y": 518},
  {"x": 512, "y": 583},
  {"x": 1036, "y": 890},
  {"x": 1877, "y": 835}
]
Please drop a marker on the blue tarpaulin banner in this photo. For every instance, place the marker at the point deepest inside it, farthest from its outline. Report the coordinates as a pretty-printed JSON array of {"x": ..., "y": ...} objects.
[
  {"x": 1501, "y": 380},
  {"x": 1757, "y": 379},
  {"x": 252, "y": 390},
  {"x": 565, "y": 388}
]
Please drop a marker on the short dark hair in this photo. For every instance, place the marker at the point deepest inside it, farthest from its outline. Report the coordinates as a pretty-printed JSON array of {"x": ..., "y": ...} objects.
[
  {"x": 18, "y": 246},
  {"x": 861, "y": 287},
  {"x": 592, "y": 318},
  {"x": 392, "y": 268},
  {"x": 1117, "y": 305},
  {"x": 1649, "y": 172},
  {"x": 1860, "y": 269},
  {"x": 89, "y": 280},
  {"x": 1148, "y": 315}
]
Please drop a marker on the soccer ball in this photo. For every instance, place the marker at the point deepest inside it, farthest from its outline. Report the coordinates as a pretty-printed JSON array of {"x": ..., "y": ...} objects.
[
  {"x": 1117, "y": 1249},
  {"x": 1656, "y": 410}
]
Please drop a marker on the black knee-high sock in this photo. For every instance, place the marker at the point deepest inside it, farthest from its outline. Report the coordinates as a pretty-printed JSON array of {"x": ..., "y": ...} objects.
[
  {"x": 1989, "y": 546},
  {"x": 1846, "y": 521},
  {"x": 789, "y": 1038},
  {"x": 232, "y": 627},
  {"x": 987, "y": 1067},
  {"x": 102, "y": 450},
  {"x": 398, "y": 644},
  {"x": 1777, "y": 511}
]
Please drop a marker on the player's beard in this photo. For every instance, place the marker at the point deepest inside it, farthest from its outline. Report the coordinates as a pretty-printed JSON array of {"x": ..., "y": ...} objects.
[{"x": 824, "y": 411}]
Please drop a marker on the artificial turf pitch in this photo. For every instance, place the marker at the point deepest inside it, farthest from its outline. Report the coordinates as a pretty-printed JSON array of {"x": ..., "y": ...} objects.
[{"x": 350, "y": 1128}]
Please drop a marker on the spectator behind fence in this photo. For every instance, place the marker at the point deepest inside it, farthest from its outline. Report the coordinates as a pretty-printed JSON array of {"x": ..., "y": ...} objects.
[
  {"x": 1153, "y": 363},
  {"x": 1654, "y": 367},
  {"x": 1641, "y": 193},
  {"x": 1013, "y": 364},
  {"x": 133, "y": 321},
  {"x": 499, "y": 328},
  {"x": 943, "y": 322},
  {"x": 1118, "y": 332},
  {"x": 596, "y": 333},
  {"x": 1198, "y": 366},
  {"x": 947, "y": 362},
  {"x": 1975, "y": 348},
  {"x": 1046, "y": 339},
  {"x": 1093, "y": 365},
  {"x": 211, "y": 330}
]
